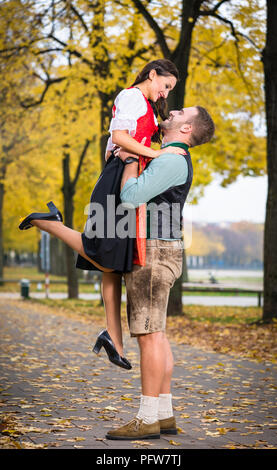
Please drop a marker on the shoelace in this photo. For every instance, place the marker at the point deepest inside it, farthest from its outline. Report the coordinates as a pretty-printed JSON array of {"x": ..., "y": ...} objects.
[{"x": 136, "y": 422}]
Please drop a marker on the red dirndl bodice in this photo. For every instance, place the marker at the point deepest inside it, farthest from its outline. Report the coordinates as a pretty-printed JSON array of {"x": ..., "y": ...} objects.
[{"x": 146, "y": 128}]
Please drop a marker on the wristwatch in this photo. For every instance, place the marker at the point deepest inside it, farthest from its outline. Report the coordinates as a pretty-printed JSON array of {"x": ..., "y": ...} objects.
[{"x": 131, "y": 160}]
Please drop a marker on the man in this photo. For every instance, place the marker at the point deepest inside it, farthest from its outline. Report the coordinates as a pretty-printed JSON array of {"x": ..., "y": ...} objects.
[{"x": 166, "y": 181}]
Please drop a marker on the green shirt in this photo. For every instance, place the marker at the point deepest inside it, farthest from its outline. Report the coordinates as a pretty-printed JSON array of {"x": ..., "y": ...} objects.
[{"x": 162, "y": 173}]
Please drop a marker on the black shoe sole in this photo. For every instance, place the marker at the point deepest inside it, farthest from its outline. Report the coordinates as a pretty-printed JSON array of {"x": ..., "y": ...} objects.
[
  {"x": 169, "y": 431},
  {"x": 122, "y": 438}
]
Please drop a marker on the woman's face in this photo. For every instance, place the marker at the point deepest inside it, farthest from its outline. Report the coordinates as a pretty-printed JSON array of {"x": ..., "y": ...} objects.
[{"x": 160, "y": 85}]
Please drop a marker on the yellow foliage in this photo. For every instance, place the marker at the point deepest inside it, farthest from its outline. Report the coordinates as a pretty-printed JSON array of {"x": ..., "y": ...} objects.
[
  {"x": 100, "y": 51},
  {"x": 202, "y": 244}
]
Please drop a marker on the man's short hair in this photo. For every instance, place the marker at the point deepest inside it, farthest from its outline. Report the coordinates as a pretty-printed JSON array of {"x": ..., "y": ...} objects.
[{"x": 202, "y": 127}]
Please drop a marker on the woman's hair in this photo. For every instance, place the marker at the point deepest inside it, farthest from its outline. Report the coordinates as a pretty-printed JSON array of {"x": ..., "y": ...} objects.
[{"x": 163, "y": 67}]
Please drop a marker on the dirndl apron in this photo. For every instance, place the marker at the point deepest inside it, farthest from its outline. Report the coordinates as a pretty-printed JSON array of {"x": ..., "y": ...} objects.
[{"x": 101, "y": 240}]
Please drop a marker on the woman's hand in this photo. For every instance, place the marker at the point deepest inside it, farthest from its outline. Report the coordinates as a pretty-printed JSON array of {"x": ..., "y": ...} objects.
[{"x": 170, "y": 149}]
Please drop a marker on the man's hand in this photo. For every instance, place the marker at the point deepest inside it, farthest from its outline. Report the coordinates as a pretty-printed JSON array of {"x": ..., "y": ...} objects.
[
  {"x": 123, "y": 154},
  {"x": 131, "y": 169}
]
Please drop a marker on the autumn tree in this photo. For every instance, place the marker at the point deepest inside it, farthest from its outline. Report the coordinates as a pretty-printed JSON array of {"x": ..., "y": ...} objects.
[
  {"x": 78, "y": 36},
  {"x": 102, "y": 44},
  {"x": 241, "y": 242},
  {"x": 67, "y": 143},
  {"x": 204, "y": 243},
  {"x": 215, "y": 46},
  {"x": 15, "y": 122}
]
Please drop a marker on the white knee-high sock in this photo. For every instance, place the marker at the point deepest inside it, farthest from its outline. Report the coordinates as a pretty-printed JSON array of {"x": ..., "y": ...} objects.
[
  {"x": 148, "y": 410},
  {"x": 165, "y": 406}
]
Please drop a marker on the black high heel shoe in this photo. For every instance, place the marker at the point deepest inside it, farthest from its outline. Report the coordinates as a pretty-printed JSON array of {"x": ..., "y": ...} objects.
[
  {"x": 54, "y": 214},
  {"x": 105, "y": 340}
]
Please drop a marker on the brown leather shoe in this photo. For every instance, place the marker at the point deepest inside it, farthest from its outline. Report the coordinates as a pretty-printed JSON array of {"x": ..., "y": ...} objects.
[
  {"x": 168, "y": 426},
  {"x": 135, "y": 429}
]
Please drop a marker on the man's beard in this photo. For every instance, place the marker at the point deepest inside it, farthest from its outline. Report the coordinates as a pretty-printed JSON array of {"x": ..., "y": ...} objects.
[
  {"x": 169, "y": 124},
  {"x": 166, "y": 123}
]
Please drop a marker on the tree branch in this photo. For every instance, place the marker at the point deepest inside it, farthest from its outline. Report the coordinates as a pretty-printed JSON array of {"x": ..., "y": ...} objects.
[
  {"x": 215, "y": 63},
  {"x": 77, "y": 14},
  {"x": 154, "y": 26},
  {"x": 229, "y": 22},
  {"x": 82, "y": 156},
  {"x": 218, "y": 5},
  {"x": 73, "y": 52},
  {"x": 47, "y": 82},
  {"x": 51, "y": 49},
  {"x": 235, "y": 34},
  {"x": 16, "y": 49},
  {"x": 80, "y": 18}
]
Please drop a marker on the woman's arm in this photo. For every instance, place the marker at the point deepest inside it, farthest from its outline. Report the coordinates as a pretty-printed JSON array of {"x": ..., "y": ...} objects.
[{"x": 122, "y": 138}]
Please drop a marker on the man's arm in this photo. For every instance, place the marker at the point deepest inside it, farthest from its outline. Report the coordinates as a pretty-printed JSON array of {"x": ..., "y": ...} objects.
[
  {"x": 130, "y": 171},
  {"x": 161, "y": 174}
]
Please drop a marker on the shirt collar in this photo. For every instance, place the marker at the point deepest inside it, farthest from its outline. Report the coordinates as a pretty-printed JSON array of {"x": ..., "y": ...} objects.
[{"x": 176, "y": 144}]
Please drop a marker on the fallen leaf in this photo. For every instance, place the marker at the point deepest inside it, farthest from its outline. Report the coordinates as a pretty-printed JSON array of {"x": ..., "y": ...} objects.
[
  {"x": 110, "y": 408},
  {"x": 222, "y": 430},
  {"x": 142, "y": 443},
  {"x": 174, "y": 443},
  {"x": 126, "y": 398}
]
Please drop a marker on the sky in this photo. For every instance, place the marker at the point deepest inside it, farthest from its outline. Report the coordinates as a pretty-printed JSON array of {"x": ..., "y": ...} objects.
[{"x": 243, "y": 200}]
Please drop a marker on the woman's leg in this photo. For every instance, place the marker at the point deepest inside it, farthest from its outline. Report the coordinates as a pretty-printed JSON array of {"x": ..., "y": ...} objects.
[
  {"x": 111, "y": 293},
  {"x": 69, "y": 236},
  {"x": 111, "y": 282}
]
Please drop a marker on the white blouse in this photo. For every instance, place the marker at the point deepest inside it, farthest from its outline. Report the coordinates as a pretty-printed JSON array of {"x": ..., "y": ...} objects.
[{"x": 130, "y": 105}]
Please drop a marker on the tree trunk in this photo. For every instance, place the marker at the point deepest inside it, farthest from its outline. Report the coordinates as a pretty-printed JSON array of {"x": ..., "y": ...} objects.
[
  {"x": 68, "y": 193},
  {"x": 57, "y": 257},
  {"x": 107, "y": 100},
  {"x": 104, "y": 125},
  {"x": 2, "y": 190},
  {"x": 176, "y": 101},
  {"x": 269, "y": 58}
]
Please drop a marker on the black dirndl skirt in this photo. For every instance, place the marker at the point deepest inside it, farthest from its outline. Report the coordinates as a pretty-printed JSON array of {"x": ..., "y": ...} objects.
[{"x": 110, "y": 230}]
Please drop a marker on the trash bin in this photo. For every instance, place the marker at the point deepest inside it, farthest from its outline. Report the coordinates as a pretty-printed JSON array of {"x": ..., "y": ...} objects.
[{"x": 25, "y": 285}]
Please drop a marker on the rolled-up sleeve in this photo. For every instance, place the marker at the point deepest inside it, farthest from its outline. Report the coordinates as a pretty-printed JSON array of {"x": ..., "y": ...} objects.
[{"x": 162, "y": 173}]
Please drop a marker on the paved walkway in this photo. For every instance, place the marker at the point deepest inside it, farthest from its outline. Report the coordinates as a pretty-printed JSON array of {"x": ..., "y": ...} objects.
[{"x": 57, "y": 394}]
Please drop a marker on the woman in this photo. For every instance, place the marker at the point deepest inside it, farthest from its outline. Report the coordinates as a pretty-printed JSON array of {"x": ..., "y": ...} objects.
[{"x": 134, "y": 121}]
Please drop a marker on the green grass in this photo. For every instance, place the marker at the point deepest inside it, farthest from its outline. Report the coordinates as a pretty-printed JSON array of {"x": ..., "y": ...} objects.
[
  {"x": 210, "y": 314},
  {"x": 34, "y": 276},
  {"x": 223, "y": 314},
  {"x": 219, "y": 294},
  {"x": 80, "y": 306}
]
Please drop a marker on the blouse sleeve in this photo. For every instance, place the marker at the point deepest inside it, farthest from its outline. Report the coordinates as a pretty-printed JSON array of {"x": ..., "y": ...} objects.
[{"x": 128, "y": 107}]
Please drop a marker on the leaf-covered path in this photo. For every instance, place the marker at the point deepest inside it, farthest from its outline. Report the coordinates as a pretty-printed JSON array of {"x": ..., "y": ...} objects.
[{"x": 55, "y": 393}]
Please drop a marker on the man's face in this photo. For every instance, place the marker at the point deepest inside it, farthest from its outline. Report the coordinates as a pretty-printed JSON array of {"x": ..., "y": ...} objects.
[{"x": 178, "y": 118}]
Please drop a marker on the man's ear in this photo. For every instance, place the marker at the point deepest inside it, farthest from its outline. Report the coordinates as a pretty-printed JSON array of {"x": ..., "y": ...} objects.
[{"x": 186, "y": 128}]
